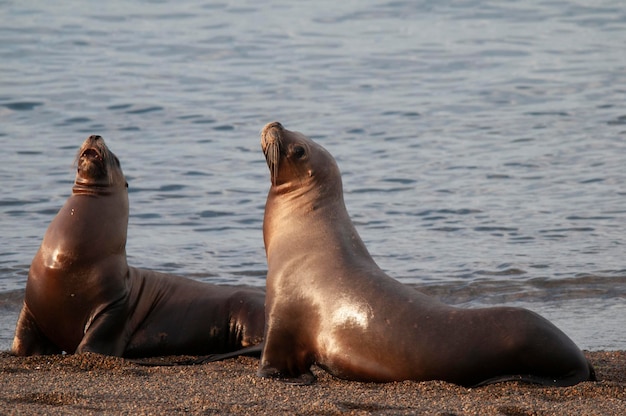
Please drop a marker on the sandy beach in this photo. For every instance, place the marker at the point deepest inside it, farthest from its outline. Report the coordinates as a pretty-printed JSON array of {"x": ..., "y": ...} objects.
[{"x": 96, "y": 384}]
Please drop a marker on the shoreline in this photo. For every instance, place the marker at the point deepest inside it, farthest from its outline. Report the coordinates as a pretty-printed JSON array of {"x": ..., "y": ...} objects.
[{"x": 97, "y": 384}]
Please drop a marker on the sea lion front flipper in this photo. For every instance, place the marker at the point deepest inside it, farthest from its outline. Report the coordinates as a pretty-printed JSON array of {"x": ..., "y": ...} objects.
[
  {"x": 303, "y": 379},
  {"x": 104, "y": 334},
  {"x": 29, "y": 340}
]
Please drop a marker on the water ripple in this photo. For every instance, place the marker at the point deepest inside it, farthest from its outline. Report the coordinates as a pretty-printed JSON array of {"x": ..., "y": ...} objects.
[{"x": 22, "y": 105}]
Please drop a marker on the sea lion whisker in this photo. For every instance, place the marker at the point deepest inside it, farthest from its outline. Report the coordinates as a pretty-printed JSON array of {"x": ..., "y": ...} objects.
[
  {"x": 272, "y": 156},
  {"x": 276, "y": 162}
]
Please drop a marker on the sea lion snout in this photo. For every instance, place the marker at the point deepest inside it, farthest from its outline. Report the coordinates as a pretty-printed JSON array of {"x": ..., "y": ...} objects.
[
  {"x": 91, "y": 154},
  {"x": 271, "y": 143},
  {"x": 91, "y": 148},
  {"x": 273, "y": 125},
  {"x": 96, "y": 164},
  {"x": 93, "y": 141},
  {"x": 270, "y": 134}
]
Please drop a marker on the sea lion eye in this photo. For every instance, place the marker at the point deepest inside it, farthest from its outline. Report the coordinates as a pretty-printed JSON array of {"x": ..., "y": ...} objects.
[{"x": 298, "y": 152}]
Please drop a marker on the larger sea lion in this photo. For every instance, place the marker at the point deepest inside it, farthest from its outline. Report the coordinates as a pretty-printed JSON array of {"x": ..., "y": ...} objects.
[
  {"x": 328, "y": 303},
  {"x": 81, "y": 295}
]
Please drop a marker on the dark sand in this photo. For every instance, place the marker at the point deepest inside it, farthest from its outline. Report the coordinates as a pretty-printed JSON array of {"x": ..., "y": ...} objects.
[{"x": 95, "y": 384}]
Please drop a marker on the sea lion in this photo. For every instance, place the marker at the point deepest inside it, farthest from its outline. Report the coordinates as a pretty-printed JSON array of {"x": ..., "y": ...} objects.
[
  {"x": 81, "y": 295},
  {"x": 328, "y": 303}
]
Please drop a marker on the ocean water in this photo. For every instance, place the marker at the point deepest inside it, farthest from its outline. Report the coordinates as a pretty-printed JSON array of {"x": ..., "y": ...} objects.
[{"x": 482, "y": 144}]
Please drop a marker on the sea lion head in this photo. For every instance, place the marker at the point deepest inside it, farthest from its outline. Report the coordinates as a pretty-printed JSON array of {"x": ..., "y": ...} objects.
[
  {"x": 297, "y": 162},
  {"x": 97, "y": 166}
]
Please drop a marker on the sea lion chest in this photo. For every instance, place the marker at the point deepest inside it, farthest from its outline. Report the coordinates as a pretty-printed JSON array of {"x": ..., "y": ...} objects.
[{"x": 79, "y": 269}]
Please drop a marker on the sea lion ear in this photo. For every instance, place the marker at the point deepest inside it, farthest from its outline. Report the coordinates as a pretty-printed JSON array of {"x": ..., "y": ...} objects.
[{"x": 126, "y": 182}]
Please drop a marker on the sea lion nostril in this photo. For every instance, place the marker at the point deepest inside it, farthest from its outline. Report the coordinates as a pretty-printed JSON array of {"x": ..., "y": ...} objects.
[
  {"x": 271, "y": 131},
  {"x": 273, "y": 125}
]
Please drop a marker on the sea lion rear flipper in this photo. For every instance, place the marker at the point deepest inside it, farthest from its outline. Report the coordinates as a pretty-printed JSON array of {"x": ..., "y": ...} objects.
[{"x": 253, "y": 351}]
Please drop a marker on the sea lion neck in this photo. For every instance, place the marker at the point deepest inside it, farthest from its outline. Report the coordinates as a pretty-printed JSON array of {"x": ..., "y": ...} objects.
[
  {"x": 293, "y": 188},
  {"x": 88, "y": 188}
]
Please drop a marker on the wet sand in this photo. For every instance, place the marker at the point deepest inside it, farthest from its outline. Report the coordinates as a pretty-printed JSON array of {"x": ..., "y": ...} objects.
[{"x": 96, "y": 384}]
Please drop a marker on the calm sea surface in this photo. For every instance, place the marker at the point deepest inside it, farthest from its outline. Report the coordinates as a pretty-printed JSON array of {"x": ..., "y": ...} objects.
[{"x": 482, "y": 144}]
